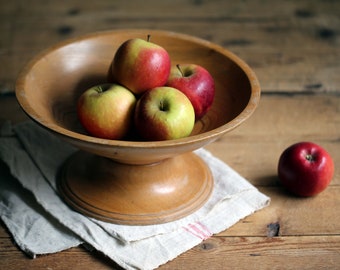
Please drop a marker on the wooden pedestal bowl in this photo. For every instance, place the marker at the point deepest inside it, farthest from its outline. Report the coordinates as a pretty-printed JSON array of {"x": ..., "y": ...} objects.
[{"x": 130, "y": 181}]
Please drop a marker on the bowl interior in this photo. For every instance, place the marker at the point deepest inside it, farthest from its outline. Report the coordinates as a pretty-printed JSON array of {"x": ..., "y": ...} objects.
[{"x": 49, "y": 86}]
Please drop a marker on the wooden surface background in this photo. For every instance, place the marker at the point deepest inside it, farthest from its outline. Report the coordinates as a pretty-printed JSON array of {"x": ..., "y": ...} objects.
[{"x": 293, "y": 47}]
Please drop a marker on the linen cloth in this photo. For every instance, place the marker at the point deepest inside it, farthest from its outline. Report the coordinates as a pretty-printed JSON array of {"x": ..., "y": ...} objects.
[{"x": 42, "y": 223}]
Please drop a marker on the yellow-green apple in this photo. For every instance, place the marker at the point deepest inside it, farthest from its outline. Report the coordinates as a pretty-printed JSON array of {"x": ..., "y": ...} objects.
[
  {"x": 140, "y": 65},
  {"x": 164, "y": 113},
  {"x": 106, "y": 110},
  {"x": 305, "y": 169},
  {"x": 196, "y": 83}
]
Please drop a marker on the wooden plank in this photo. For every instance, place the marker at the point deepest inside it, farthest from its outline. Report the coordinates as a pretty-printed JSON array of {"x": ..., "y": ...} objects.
[
  {"x": 292, "y": 216},
  {"x": 299, "y": 35},
  {"x": 309, "y": 117},
  {"x": 289, "y": 215},
  {"x": 253, "y": 149},
  {"x": 293, "y": 48},
  {"x": 318, "y": 252},
  {"x": 74, "y": 258},
  {"x": 236, "y": 252},
  {"x": 172, "y": 9}
]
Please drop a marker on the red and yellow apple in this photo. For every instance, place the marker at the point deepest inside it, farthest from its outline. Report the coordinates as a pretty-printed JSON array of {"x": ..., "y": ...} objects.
[
  {"x": 140, "y": 65},
  {"x": 196, "y": 83},
  {"x": 305, "y": 169},
  {"x": 164, "y": 113},
  {"x": 106, "y": 111}
]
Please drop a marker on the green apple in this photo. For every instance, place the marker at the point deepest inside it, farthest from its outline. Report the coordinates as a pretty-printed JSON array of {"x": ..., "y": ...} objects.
[
  {"x": 164, "y": 113},
  {"x": 140, "y": 65},
  {"x": 106, "y": 111}
]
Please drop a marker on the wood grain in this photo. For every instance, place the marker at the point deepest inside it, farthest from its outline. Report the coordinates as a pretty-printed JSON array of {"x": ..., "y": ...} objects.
[
  {"x": 274, "y": 37},
  {"x": 254, "y": 148},
  {"x": 235, "y": 252},
  {"x": 320, "y": 252},
  {"x": 75, "y": 258},
  {"x": 314, "y": 219},
  {"x": 292, "y": 216},
  {"x": 293, "y": 46}
]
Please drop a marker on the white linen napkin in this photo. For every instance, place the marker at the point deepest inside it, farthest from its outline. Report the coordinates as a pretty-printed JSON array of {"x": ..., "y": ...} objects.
[{"x": 42, "y": 223}]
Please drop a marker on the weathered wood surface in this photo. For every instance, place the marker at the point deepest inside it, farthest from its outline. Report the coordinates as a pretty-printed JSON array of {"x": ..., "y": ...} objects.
[
  {"x": 290, "y": 231},
  {"x": 293, "y": 47},
  {"x": 235, "y": 252}
]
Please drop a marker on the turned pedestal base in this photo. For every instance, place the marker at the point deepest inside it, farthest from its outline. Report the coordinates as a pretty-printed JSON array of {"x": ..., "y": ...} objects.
[{"x": 135, "y": 194}]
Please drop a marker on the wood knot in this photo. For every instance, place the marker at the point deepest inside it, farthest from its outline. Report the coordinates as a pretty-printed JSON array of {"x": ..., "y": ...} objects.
[
  {"x": 65, "y": 30},
  {"x": 273, "y": 229},
  {"x": 326, "y": 33},
  {"x": 206, "y": 246},
  {"x": 304, "y": 13}
]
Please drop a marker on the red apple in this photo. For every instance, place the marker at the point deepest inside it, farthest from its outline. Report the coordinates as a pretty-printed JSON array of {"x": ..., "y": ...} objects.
[
  {"x": 140, "y": 65},
  {"x": 196, "y": 83},
  {"x": 305, "y": 169},
  {"x": 164, "y": 113},
  {"x": 106, "y": 111}
]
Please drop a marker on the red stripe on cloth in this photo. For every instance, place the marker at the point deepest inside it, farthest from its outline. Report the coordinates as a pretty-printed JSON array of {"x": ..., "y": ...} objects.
[{"x": 199, "y": 230}]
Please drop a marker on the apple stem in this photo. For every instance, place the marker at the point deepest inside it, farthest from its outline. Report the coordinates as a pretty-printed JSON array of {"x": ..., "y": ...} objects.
[
  {"x": 180, "y": 70},
  {"x": 148, "y": 38},
  {"x": 309, "y": 157}
]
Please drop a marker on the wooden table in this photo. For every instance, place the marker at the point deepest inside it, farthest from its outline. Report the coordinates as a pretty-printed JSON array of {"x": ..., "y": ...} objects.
[{"x": 293, "y": 46}]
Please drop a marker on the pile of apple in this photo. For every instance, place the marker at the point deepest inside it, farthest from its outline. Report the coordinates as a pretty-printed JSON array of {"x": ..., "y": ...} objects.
[{"x": 147, "y": 95}]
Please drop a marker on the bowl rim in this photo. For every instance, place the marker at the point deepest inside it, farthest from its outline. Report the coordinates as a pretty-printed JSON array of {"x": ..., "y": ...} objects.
[{"x": 208, "y": 135}]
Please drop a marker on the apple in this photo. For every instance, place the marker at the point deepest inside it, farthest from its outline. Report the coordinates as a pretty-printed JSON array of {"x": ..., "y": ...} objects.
[
  {"x": 305, "y": 169},
  {"x": 140, "y": 65},
  {"x": 164, "y": 113},
  {"x": 106, "y": 110},
  {"x": 196, "y": 83}
]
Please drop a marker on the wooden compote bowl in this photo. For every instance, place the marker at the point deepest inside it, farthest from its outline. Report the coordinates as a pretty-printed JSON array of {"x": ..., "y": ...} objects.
[{"x": 130, "y": 181}]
